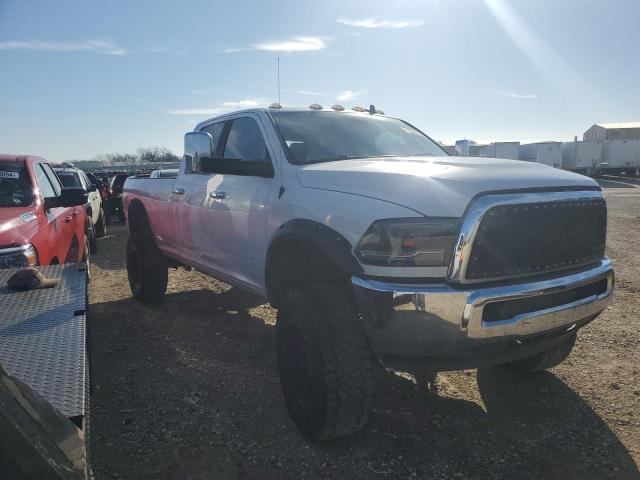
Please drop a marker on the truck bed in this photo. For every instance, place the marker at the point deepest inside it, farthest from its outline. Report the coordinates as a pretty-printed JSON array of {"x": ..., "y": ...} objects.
[{"x": 43, "y": 337}]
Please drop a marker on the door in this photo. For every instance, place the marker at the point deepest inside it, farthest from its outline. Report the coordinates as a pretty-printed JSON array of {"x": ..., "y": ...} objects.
[
  {"x": 235, "y": 213},
  {"x": 56, "y": 233},
  {"x": 188, "y": 204}
]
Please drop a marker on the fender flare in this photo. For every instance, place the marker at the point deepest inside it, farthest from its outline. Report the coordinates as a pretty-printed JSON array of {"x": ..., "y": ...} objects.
[
  {"x": 315, "y": 236},
  {"x": 324, "y": 238}
]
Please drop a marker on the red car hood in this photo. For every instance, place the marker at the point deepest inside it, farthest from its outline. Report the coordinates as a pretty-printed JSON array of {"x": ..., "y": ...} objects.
[{"x": 17, "y": 225}]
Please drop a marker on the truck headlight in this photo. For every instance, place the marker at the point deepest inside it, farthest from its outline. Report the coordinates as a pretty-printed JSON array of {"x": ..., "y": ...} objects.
[
  {"x": 16, "y": 257},
  {"x": 409, "y": 242}
]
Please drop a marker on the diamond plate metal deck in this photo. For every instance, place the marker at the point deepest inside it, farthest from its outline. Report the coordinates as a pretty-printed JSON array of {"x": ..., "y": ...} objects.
[{"x": 43, "y": 336}]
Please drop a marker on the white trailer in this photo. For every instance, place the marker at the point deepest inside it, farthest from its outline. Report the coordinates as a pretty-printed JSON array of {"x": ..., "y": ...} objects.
[
  {"x": 582, "y": 156},
  {"x": 621, "y": 156},
  {"x": 547, "y": 153},
  {"x": 509, "y": 150}
]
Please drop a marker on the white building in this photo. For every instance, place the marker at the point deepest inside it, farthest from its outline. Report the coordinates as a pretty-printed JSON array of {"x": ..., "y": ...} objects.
[{"x": 599, "y": 132}]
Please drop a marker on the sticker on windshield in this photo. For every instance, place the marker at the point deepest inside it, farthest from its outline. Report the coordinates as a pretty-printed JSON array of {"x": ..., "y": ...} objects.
[
  {"x": 9, "y": 174},
  {"x": 27, "y": 217}
]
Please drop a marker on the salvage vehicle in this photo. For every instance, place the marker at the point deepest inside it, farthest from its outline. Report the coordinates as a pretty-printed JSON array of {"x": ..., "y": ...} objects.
[
  {"x": 41, "y": 222},
  {"x": 375, "y": 246},
  {"x": 96, "y": 223}
]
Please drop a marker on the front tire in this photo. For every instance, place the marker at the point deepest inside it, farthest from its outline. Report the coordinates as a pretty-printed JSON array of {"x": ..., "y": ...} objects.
[
  {"x": 325, "y": 364},
  {"x": 543, "y": 360},
  {"x": 147, "y": 270}
]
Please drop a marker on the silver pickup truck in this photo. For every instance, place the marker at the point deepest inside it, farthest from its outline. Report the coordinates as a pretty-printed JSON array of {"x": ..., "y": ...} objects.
[{"x": 375, "y": 247}]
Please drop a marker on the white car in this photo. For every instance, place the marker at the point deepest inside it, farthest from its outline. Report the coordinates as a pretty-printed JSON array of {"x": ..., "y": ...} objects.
[
  {"x": 96, "y": 228},
  {"x": 375, "y": 245}
]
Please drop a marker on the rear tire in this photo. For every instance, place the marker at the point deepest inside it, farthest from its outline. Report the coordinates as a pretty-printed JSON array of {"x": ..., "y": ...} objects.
[
  {"x": 543, "y": 360},
  {"x": 147, "y": 270},
  {"x": 100, "y": 227},
  {"x": 326, "y": 367}
]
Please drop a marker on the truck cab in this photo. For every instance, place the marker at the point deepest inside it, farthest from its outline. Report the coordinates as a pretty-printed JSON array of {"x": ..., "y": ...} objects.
[{"x": 42, "y": 223}]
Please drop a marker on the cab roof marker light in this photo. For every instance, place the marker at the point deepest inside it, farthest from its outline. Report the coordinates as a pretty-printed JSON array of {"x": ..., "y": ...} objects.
[
  {"x": 275, "y": 105},
  {"x": 358, "y": 108},
  {"x": 315, "y": 106},
  {"x": 337, "y": 108}
]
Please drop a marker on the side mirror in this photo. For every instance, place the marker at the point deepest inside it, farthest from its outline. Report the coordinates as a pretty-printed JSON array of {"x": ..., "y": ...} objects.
[
  {"x": 73, "y": 197},
  {"x": 198, "y": 146},
  {"x": 70, "y": 197},
  {"x": 92, "y": 187}
]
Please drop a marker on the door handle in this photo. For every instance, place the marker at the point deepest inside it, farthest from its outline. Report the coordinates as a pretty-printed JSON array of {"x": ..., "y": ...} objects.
[
  {"x": 178, "y": 191},
  {"x": 218, "y": 195},
  {"x": 67, "y": 219},
  {"x": 74, "y": 214}
]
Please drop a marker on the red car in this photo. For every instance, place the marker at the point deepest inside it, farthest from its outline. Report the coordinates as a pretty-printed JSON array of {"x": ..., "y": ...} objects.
[{"x": 41, "y": 223}]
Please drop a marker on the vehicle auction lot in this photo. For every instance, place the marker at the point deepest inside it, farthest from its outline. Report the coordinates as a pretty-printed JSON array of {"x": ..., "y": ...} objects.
[{"x": 188, "y": 389}]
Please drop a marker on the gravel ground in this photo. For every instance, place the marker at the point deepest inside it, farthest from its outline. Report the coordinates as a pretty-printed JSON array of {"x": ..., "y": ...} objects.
[{"x": 189, "y": 389}]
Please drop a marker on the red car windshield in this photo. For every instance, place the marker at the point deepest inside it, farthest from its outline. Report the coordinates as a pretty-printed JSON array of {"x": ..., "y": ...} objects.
[{"x": 15, "y": 185}]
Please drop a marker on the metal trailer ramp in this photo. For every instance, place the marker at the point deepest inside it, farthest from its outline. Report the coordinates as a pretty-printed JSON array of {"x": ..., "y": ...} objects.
[{"x": 43, "y": 337}]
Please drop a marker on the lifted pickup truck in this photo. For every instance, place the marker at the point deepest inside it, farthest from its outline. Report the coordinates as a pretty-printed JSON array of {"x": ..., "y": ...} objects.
[{"x": 374, "y": 245}]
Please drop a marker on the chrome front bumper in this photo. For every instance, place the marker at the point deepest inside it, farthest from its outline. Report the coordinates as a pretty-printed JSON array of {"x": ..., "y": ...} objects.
[{"x": 447, "y": 325}]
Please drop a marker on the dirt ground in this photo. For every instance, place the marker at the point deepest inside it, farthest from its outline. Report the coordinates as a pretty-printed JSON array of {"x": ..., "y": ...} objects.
[{"x": 188, "y": 389}]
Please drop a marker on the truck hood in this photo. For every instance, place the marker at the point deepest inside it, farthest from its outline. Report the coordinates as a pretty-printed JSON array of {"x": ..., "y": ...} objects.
[
  {"x": 436, "y": 186},
  {"x": 17, "y": 225}
]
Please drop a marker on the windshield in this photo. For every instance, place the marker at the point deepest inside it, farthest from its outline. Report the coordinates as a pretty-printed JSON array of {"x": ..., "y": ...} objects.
[
  {"x": 69, "y": 179},
  {"x": 313, "y": 137},
  {"x": 15, "y": 185}
]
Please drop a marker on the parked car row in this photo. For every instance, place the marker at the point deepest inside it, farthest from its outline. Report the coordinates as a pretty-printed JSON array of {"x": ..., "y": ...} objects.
[{"x": 96, "y": 221}]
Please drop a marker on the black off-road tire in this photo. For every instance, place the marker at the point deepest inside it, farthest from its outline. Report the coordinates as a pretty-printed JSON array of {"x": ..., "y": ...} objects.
[
  {"x": 147, "y": 270},
  {"x": 543, "y": 360},
  {"x": 325, "y": 363},
  {"x": 100, "y": 227}
]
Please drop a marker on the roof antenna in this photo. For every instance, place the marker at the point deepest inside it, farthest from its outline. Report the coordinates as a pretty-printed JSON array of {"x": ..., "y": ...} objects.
[
  {"x": 372, "y": 109},
  {"x": 279, "y": 81}
]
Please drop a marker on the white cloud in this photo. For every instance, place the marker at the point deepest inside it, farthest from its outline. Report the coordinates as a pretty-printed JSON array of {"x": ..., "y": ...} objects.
[
  {"x": 221, "y": 108},
  {"x": 293, "y": 44},
  {"x": 103, "y": 47},
  {"x": 347, "y": 95},
  {"x": 528, "y": 96},
  {"x": 375, "y": 22},
  {"x": 309, "y": 93}
]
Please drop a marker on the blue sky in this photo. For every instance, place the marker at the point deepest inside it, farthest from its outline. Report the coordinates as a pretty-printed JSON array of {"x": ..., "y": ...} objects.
[{"x": 79, "y": 78}]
